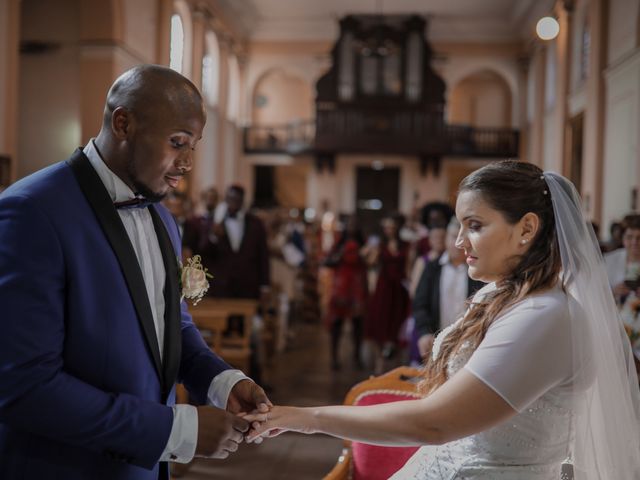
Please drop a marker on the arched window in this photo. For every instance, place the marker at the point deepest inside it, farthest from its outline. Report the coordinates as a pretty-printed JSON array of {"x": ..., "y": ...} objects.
[
  {"x": 211, "y": 69},
  {"x": 233, "y": 97},
  {"x": 176, "y": 52},
  {"x": 180, "y": 46}
]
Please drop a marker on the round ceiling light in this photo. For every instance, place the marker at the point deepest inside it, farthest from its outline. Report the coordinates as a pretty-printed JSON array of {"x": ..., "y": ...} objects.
[{"x": 547, "y": 28}]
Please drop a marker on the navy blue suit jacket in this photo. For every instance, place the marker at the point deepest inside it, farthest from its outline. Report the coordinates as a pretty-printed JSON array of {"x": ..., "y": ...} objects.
[{"x": 83, "y": 391}]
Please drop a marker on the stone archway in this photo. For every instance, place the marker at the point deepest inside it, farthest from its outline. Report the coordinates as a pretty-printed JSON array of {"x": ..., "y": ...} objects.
[
  {"x": 280, "y": 96},
  {"x": 481, "y": 99}
]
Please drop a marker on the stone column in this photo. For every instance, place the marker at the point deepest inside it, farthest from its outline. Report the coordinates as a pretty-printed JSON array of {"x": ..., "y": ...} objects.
[
  {"x": 101, "y": 35},
  {"x": 163, "y": 40},
  {"x": 537, "y": 128},
  {"x": 199, "y": 20},
  {"x": 593, "y": 152},
  {"x": 563, "y": 49}
]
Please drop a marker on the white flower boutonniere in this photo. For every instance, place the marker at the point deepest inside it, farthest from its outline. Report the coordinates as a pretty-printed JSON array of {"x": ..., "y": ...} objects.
[{"x": 193, "y": 279}]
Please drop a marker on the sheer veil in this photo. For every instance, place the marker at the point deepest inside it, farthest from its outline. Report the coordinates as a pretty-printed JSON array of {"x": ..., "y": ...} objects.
[{"x": 606, "y": 398}]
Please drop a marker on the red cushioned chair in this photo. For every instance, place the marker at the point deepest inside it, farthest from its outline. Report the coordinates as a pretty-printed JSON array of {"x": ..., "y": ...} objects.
[{"x": 360, "y": 461}]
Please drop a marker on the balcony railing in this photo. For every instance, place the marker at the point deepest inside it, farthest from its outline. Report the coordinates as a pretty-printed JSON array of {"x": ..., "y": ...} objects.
[
  {"x": 395, "y": 134},
  {"x": 294, "y": 138}
]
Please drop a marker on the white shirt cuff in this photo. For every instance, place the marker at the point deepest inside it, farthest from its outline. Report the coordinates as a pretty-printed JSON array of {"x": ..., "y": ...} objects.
[
  {"x": 221, "y": 386},
  {"x": 181, "y": 446},
  {"x": 183, "y": 439}
]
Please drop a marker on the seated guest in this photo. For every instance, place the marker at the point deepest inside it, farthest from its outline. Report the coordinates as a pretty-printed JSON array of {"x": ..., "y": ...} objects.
[
  {"x": 441, "y": 293},
  {"x": 623, "y": 264}
]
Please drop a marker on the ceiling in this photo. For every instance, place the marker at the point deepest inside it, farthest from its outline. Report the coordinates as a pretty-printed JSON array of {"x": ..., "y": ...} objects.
[{"x": 450, "y": 20}]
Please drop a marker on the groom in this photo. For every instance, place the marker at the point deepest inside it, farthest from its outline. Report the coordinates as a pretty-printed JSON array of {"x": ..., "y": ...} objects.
[{"x": 94, "y": 336}]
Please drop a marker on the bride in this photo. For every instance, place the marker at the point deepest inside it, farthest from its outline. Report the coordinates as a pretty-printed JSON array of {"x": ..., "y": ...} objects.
[{"x": 537, "y": 370}]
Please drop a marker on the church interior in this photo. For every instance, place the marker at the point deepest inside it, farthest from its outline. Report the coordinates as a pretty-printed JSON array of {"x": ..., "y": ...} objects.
[{"x": 322, "y": 112}]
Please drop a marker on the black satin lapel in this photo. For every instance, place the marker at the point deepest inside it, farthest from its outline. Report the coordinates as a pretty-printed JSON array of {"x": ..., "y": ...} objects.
[
  {"x": 114, "y": 230},
  {"x": 172, "y": 335}
]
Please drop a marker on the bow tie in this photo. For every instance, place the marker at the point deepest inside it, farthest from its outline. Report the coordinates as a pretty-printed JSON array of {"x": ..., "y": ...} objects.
[{"x": 138, "y": 202}]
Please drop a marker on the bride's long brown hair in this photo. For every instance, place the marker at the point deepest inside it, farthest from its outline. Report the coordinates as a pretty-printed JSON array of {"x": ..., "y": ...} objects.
[{"x": 513, "y": 189}]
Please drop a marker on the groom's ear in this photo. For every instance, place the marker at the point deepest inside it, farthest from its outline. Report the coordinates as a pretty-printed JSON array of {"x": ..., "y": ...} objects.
[{"x": 121, "y": 123}]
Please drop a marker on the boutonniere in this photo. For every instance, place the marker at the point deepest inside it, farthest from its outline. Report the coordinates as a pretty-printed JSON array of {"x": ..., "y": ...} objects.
[{"x": 193, "y": 279}]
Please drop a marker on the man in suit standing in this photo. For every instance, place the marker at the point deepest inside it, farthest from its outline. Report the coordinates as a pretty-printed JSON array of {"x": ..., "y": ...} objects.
[
  {"x": 237, "y": 254},
  {"x": 94, "y": 335},
  {"x": 442, "y": 290}
]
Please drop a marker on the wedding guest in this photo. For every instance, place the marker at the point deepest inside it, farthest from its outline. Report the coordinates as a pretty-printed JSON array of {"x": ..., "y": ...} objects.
[
  {"x": 179, "y": 207},
  {"x": 349, "y": 289},
  {"x": 94, "y": 334},
  {"x": 197, "y": 228},
  {"x": 517, "y": 384},
  {"x": 442, "y": 291},
  {"x": 236, "y": 251},
  {"x": 623, "y": 264},
  {"x": 615, "y": 240},
  {"x": 389, "y": 304},
  {"x": 437, "y": 246}
]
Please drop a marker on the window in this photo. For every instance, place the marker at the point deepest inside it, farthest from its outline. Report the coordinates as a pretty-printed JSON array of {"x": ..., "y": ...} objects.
[
  {"x": 211, "y": 69},
  {"x": 176, "y": 52},
  {"x": 233, "y": 98}
]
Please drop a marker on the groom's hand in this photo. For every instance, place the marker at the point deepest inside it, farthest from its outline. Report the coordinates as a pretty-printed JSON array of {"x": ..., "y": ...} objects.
[
  {"x": 246, "y": 397},
  {"x": 219, "y": 432}
]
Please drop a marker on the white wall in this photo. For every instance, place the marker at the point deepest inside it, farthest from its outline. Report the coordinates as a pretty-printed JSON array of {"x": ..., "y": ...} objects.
[
  {"x": 621, "y": 154},
  {"x": 231, "y": 157},
  {"x": 306, "y": 66},
  {"x": 459, "y": 67},
  {"x": 339, "y": 188},
  {"x": 49, "y": 103},
  {"x": 140, "y": 30},
  {"x": 208, "y": 152},
  {"x": 623, "y": 25}
]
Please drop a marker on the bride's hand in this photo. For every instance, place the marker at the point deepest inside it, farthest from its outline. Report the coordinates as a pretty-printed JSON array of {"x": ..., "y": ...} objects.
[{"x": 278, "y": 420}]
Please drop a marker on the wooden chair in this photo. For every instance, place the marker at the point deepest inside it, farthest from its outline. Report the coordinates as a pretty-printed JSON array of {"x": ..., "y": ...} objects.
[{"x": 396, "y": 385}]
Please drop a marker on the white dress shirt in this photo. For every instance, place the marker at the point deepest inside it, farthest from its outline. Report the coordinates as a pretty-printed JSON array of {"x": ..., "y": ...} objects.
[
  {"x": 454, "y": 283},
  {"x": 233, "y": 226},
  {"x": 138, "y": 223}
]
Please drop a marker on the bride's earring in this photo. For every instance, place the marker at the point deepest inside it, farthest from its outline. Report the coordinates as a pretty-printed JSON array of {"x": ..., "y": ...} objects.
[{"x": 524, "y": 241}]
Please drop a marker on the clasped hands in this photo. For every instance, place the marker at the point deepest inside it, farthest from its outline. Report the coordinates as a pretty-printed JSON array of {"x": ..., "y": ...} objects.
[
  {"x": 249, "y": 416},
  {"x": 220, "y": 432}
]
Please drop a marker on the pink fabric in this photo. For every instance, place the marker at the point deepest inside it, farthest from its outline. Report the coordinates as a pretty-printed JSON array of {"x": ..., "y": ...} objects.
[{"x": 379, "y": 463}]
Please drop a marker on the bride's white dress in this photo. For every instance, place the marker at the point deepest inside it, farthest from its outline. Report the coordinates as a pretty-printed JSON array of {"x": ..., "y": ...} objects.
[{"x": 525, "y": 358}]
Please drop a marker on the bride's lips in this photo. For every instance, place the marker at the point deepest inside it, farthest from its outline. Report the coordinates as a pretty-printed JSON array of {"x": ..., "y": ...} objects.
[
  {"x": 172, "y": 181},
  {"x": 471, "y": 260}
]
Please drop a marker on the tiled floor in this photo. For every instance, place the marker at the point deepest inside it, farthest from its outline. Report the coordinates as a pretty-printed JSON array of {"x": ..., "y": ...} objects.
[{"x": 301, "y": 376}]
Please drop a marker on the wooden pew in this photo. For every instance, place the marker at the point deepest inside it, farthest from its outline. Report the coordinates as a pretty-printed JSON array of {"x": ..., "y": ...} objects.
[{"x": 211, "y": 316}]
